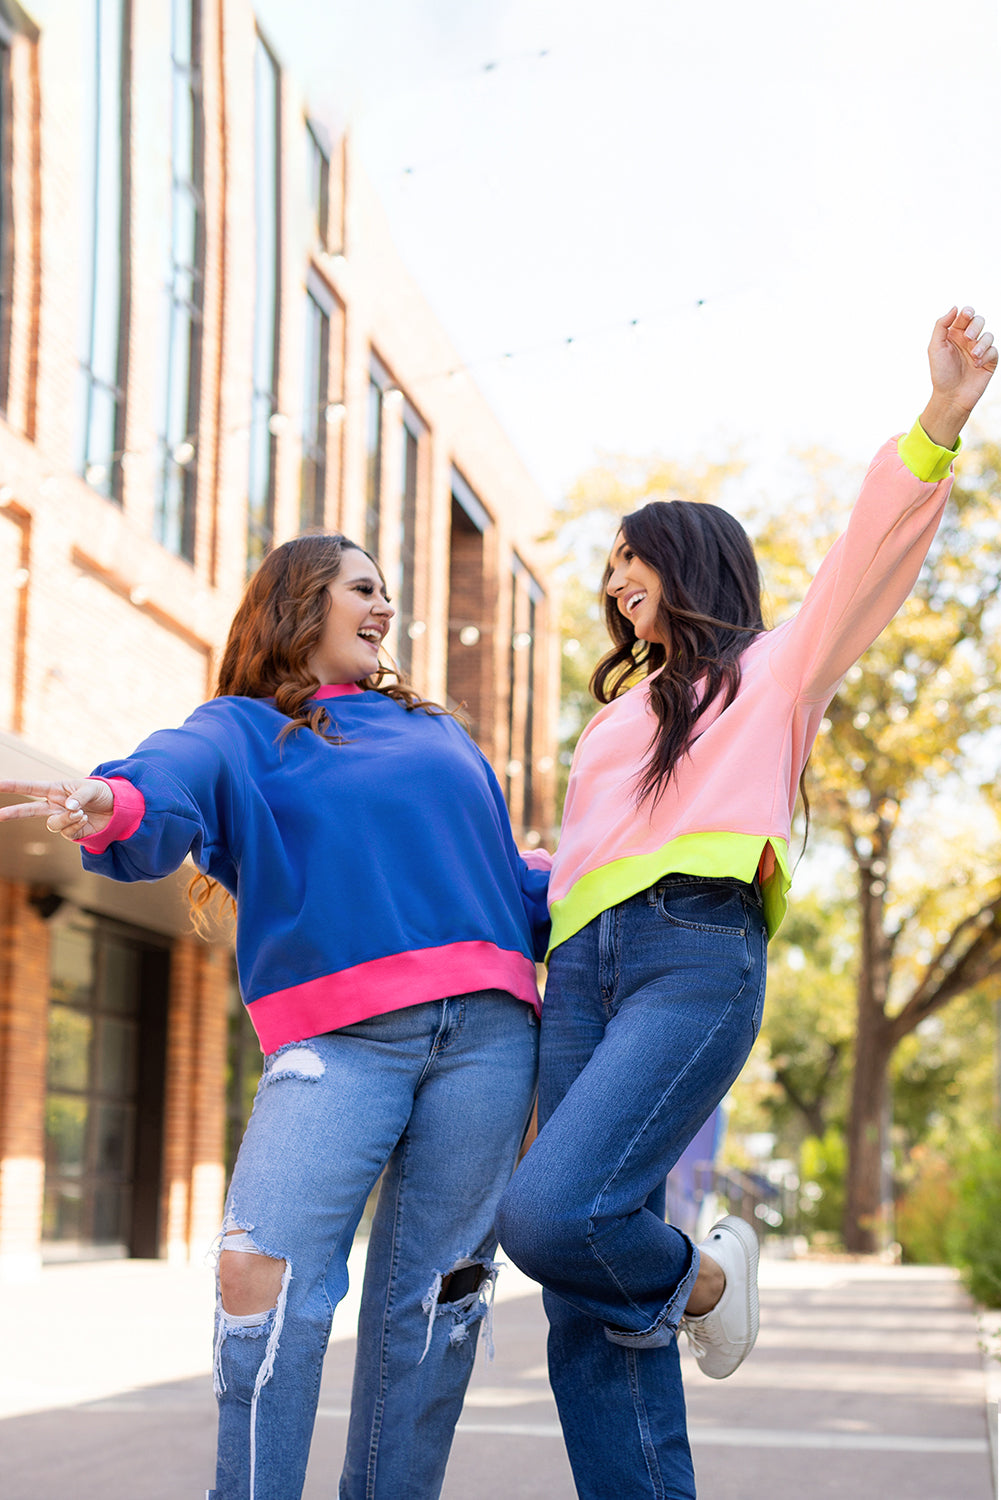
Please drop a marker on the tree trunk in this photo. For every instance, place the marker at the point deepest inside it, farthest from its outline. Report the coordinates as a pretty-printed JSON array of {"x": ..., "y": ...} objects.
[
  {"x": 867, "y": 1214},
  {"x": 867, "y": 1222}
]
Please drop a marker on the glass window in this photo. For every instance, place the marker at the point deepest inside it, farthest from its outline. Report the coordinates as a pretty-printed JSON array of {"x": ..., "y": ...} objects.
[
  {"x": 100, "y": 982},
  {"x": 526, "y": 596},
  {"x": 264, "y": 398},
  {"x": 408, "y": 542},
  {"x": 318, "y": 165},
  {"x": 102, "y": 355},
  {"x": 316, "y": 393},
  {"x": 6, "y": 218},
  {"x": 174, "y": 519},
  {"x": 373, "y": 483}
]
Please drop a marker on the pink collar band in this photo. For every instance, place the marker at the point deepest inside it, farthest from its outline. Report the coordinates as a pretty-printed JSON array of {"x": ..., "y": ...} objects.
[{"x": 337, "y": 689}]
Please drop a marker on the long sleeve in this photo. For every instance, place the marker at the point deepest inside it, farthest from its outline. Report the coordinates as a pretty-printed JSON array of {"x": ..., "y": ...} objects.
[
  {"x": 863, "y": 580},
  {"x": 191, "y": 807}
]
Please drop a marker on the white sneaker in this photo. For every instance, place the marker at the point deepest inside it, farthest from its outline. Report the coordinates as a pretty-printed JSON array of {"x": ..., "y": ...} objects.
[{"x": 723, "y": 1337}]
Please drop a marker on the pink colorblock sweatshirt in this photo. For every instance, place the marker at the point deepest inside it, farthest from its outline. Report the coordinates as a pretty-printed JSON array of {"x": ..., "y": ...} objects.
[{"x": 728, "y": 809}]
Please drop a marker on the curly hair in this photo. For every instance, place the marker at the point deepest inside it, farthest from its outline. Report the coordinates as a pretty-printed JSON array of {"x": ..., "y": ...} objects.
[{"x": 272, "y": 638}]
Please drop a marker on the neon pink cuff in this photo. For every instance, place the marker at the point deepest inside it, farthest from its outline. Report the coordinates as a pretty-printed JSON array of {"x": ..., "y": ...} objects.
[{"x": 127, "y": 814}]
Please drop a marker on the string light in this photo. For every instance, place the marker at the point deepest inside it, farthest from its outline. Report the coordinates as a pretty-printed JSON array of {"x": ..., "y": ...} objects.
[{"x": 335, "y": 412}]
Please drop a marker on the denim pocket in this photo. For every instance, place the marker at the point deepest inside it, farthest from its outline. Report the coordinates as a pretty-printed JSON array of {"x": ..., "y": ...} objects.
[{"x": 705, "y": 905}]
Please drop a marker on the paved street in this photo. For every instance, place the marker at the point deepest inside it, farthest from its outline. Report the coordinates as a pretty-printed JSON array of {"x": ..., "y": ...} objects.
[{"x": 867, "y": 1381}]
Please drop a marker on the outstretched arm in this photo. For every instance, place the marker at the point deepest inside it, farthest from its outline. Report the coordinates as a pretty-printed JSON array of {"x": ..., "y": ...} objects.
[
  {"x": 962, "y": 357},
  {"x": 78, "y": 809}
]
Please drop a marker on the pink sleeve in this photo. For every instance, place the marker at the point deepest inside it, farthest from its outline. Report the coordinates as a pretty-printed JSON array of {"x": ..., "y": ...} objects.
[
  {"x": 863, "y": 580},
  {"x": 537, "y": 859},
  {"x": 130, "y": 805}
]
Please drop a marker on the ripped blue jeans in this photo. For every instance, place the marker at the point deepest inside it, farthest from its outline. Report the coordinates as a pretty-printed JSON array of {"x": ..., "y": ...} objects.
[{"x": 439, "y": 1095}]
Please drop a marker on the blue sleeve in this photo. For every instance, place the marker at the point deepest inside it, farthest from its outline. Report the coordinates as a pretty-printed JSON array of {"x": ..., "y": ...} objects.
[
  {"x": 192, "y": 807},
  {"x": 535, "y": 900},
  {"x": 533, "y": 884}
]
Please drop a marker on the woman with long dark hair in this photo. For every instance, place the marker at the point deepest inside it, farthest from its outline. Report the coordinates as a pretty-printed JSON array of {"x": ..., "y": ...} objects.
[
  {"x": 671, "y": 873},
  {"x": 386, "y": 937}
]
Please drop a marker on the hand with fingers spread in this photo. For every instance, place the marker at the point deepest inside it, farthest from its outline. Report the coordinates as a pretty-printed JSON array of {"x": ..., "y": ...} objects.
[
  {"x": 963, "y": 357},
  {"x": 77, "y": 809}
]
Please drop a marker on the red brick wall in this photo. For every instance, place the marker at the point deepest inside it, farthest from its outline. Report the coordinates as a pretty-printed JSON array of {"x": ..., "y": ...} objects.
[
  {"x": 194, "y": 1124},
  {"x": 24, "y": 995}
]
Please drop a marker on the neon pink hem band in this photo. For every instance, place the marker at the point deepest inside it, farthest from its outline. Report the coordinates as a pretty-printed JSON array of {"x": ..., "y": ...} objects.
[{"x": 385, "y": 984}]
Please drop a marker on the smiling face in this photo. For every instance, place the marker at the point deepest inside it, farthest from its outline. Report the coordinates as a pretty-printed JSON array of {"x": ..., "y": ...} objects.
[
  {"x": 635, "y": 587},
  {"x": 356, "y": 622}
]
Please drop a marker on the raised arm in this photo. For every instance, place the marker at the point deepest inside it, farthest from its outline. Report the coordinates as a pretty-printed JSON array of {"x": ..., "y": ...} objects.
[
  {"x": 962, "y": 357},
  {"x": 77, "y": 809},
  {"x": 872, "y": 567}
]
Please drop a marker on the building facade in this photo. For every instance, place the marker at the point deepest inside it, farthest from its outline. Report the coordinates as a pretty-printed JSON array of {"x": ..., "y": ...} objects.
[{"x": 207, "y": 345}]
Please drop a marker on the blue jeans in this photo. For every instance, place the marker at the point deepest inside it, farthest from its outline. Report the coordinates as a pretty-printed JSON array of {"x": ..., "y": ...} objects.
[
  {"x": 649, "y": 1015},
  {"x": 439, "y": 1094}
]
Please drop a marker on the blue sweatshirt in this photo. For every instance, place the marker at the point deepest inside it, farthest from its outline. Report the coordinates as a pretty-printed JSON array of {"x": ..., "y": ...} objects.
[{"x": 369, "y": 875}]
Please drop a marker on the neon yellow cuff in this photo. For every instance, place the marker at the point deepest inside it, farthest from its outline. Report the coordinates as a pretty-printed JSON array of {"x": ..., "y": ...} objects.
[{"x": 925, "y": 459}]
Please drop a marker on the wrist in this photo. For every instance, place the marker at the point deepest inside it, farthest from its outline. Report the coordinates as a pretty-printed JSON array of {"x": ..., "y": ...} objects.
[{"x": 943, "y": 419}]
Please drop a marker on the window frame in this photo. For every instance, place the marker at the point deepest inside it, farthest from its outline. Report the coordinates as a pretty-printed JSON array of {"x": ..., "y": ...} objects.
[
  {"x": 106, "y": 222},
  {"x": 175, "y": 526}
]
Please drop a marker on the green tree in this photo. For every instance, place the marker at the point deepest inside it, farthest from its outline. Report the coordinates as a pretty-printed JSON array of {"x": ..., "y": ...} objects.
[{"x": 906, "y": 774}]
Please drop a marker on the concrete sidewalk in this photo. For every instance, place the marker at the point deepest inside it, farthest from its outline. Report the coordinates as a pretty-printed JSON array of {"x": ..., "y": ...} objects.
[{"x": 867, "y": 1381}]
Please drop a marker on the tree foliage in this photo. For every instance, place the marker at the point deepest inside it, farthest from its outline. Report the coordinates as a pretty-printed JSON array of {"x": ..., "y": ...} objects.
[{"x": 906, "y": 774}]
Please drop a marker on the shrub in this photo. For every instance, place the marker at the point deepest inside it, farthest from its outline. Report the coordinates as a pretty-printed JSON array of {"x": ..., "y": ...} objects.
[
  {"x": 822, "y": 1165},
  {"x": 973, "y": 1237},
  {"x": 927, "y": 1210}
]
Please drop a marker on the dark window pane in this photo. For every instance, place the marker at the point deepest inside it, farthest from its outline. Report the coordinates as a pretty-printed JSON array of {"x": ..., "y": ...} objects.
[
  {"x": 119, "y": 978},
  {"x": 63, "y": 1212},
  {"x": 65, "y": 1134},
  {"x": 373, "y": 487},
  {"x": 71, "y": 965},
  {"x": 110, "y": 1215},
  {"x": 116, "y": 1057},
  {"x": 314, "y": 424},
  {"x": 408, "y": 543},
  {"x": 70, "y": 1033},
  {"x": 115, "y": 1130}
]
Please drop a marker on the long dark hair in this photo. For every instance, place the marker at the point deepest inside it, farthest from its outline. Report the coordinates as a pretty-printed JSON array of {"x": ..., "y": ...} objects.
[{"x": 709, "y": 611}]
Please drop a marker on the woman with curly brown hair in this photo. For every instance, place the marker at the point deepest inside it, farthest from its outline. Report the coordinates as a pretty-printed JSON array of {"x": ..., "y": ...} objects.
[{"x": 386, "y": 937}]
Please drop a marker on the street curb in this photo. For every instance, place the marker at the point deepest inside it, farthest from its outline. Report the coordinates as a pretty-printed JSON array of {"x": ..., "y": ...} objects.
[{"x": 989, "y": 1325}]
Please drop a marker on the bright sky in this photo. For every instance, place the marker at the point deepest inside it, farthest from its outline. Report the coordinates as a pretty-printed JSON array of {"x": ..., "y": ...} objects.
[{"x": 822, "y": 179}]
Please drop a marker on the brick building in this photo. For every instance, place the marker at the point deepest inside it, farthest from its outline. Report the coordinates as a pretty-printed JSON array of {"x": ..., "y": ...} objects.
[{"x": 207, "y": 344}]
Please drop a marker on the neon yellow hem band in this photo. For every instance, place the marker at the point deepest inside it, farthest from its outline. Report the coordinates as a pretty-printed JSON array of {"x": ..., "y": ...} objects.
[{"x": 738, "y": 855}]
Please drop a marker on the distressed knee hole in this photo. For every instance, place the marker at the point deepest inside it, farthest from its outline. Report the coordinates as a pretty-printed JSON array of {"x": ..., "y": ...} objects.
[
  {"x": 295, "y": 1061},
  {"x": 249, "y": 1281},
  {"x": 463, "y": 1295},
  {"x": 462, "y": 1282},
  {"x": 253, "y": 1294}
]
